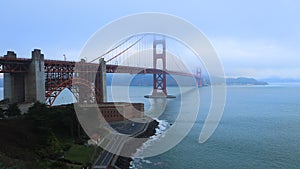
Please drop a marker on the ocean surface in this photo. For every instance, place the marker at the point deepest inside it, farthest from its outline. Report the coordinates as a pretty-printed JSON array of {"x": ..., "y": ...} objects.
[{"x": 260, "y": 128}]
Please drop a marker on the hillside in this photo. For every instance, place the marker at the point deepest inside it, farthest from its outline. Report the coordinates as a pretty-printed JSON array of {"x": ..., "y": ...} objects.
[
  {"x": 244, "y": 81},
  {"x": 147, "y": 80}
]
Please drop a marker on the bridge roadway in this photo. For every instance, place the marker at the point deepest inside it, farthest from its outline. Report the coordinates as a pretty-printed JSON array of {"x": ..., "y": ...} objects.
[
  {"x": 21, "y": 65},
  {"x": 104, "y": 160}
]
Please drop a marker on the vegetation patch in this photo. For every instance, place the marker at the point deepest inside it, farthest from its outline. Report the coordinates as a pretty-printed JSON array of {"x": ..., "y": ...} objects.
[
  {"x": 79, "y": 154},
  {"x": 43, "y": 138}
]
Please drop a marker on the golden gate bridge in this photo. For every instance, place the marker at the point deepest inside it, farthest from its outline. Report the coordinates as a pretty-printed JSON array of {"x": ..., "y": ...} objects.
[{"x": 38, "y": 79}]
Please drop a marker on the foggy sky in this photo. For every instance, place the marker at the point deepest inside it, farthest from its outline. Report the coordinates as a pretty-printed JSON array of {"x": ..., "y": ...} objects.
[{"x": 252, "y": 38}]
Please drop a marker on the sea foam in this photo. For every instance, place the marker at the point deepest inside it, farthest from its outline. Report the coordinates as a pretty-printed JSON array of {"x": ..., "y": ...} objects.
[{"x": 137, "y": 161}]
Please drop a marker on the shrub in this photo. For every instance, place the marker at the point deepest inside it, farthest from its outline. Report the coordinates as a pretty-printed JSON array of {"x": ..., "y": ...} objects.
[{"x": 13, "y": 110}]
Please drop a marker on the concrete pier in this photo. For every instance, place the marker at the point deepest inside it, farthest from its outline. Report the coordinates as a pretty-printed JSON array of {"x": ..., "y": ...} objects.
[
  {"x": 35, "y": 78},
  {"x": 29, "y": 86},
  {"x": 101, "y": 82},
  {"x": 14, "y": 83}
]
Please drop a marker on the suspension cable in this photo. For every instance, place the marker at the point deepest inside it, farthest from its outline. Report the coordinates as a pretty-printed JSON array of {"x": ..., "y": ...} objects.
[
  {"x": 126, "y": 49},
  {"x": 113, "y": 48}
]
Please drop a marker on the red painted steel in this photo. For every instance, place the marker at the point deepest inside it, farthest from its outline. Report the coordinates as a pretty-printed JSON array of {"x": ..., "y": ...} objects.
[
  {"x": 60, "y": 75},
  {"x": 159, "y": 79}
]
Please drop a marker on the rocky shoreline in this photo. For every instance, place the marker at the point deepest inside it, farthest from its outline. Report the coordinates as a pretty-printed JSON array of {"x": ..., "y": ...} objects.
[{"x": 124, "y": 162}]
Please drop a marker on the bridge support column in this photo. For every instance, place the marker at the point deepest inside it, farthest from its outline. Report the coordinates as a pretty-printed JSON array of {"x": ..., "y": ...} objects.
[
  {"x": 13, "y": 83},
  {"x": 100, "y": 82},
  {"x": 35, "y": 78}
]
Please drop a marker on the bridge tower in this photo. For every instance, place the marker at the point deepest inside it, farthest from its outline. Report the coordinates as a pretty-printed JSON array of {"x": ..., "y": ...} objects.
[
  {"x": 35, "y": 78},
  {"x": 26, "y": 86},
  {"x": 100, "y": 82},
  {"x": 159, "y": 63},
  {"x": 159, "y": 79},
  {"x": 199, "y": 77}
]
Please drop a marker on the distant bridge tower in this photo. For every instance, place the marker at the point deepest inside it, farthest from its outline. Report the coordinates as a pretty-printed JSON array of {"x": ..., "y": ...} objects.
[{"x": 199, "y": 77}]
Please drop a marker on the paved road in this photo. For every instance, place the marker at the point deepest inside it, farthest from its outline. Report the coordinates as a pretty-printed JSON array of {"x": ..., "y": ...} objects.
[
  {"x": 106, "y": 157},
  {"x": 116, "y": 143}
]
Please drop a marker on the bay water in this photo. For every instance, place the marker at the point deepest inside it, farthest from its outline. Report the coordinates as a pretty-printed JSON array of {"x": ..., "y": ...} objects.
[{"x": 260, "y": 128}]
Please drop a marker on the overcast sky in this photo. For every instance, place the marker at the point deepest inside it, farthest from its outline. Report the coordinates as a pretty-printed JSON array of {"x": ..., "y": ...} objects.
[{"x": 257, "y": 38}]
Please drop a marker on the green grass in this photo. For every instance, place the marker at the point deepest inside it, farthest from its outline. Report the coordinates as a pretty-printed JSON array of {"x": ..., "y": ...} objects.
[{"x": 80, "y": 154}]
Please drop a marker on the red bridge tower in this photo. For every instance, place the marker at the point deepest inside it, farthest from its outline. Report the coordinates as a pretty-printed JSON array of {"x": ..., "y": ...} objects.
[{"x": 159, "y": 62}]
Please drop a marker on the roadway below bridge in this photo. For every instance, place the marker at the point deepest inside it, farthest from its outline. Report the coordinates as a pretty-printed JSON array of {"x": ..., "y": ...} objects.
[{"x": 107, "y": 159}]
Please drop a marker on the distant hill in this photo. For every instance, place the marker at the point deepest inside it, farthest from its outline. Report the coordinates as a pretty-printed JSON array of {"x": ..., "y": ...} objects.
[
  {"x": 244, "y": 81},
  {"x": 147, "y": 80}
]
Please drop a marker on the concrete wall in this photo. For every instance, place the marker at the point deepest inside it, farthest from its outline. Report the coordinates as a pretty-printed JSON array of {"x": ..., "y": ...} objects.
[
  {"x": 19, "y": 91},
  {"x": 117, "y": 111}
]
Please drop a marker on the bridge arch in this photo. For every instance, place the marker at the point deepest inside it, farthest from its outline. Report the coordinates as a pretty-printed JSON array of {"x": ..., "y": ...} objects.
[{"x": 74, "y": 86}]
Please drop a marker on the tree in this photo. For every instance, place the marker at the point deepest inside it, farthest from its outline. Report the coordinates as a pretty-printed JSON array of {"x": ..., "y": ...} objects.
[
  {"x": 54, "y": 146},
  {"x": 13, "y": 110},
  {"x": 38, "y": 113},
  {"x": 38, "y": 109},
  {"x": 1, "y": 113}
]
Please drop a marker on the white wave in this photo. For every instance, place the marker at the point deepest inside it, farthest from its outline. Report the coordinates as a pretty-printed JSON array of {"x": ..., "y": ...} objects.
[{"x": 137, "y": 161}]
